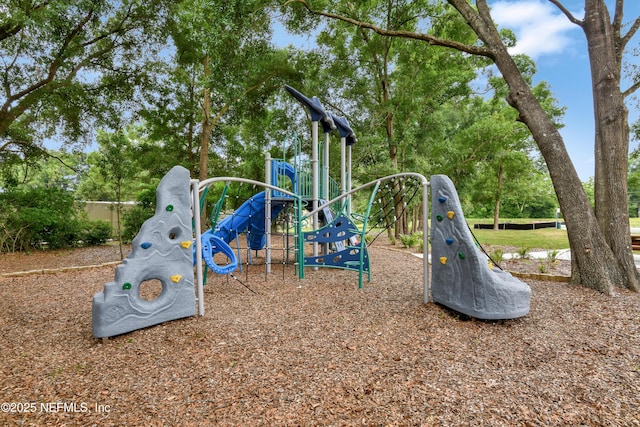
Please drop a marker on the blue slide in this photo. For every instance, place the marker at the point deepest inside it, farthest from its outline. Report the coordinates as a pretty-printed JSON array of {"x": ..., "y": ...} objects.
[{"x": 248, "y": 218}]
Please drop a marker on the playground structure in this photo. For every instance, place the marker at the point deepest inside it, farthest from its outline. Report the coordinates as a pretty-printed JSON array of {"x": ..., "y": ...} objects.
[{"x": 324, "y": 230}]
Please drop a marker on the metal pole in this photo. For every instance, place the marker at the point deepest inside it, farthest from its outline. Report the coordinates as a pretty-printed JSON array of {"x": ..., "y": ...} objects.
[
  {"x": 343, "y": 165},
  {"x": 314, "y": 175},
  {"x": 425, "y": 239},
  {"x": 267, "y": 211},
  {"x": 195, "y": 207},
  {"x": 325, "y": 168},
  {"x": 349, "y": 179}
]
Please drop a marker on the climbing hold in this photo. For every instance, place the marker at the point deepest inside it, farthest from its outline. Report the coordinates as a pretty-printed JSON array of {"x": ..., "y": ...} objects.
[
  {"x": 169, "y": 208},
  {"x": 145, "y": 245},
  {"x": 461, "y": 255},
  {"x": 176, "y": 278},
  {"x": 442, "y": 199},
  {"x": 186, "y": 244},
  {"x": 490, "y": 265},
  {"x": 449, "y": 240},
  {"x": 451, "y": 214},
  {"x": 443, "y": 260},
  {"x": 126, "y": 286},
  {"x": 439, "y": 218}
]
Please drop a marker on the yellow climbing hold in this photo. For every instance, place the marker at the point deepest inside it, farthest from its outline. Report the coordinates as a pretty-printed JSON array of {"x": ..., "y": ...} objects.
[
  {"x": 490, "y": 265},
  {"x": 451, "y": 214},
  {"x": 443, "y": 260},
  {"x": 176, "y": 278},
  {"x": 186, "y": 244}
]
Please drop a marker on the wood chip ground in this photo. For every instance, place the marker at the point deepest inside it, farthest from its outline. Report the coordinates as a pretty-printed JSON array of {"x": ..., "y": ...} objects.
[{"x": 313, "y": 352}]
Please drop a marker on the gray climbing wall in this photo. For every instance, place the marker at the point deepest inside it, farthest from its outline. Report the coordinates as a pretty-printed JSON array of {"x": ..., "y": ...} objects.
[
  {"x": 161, "y": 250},
  {"x": 463, "y": 277}
]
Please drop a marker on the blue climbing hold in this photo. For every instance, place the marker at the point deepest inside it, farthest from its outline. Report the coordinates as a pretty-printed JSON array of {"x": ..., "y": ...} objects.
[
  {"x": 442, "y": 199},
  {"x": 449, "y": 240},
  {"x": 145, "y": 245}
]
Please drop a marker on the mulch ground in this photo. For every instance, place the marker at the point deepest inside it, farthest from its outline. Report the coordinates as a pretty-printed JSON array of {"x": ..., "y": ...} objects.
[{"x": 317, "y": 351}]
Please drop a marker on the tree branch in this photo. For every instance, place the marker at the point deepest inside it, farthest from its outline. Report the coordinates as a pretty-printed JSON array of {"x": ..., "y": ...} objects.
[
  {"x": 53, "y": 67},
  {"x": 566, "y": 12},
  {"x": 434, "y": 41},
  {"x": 632, "y": 32},
  {"x": 631, "y": 89},
  {"x": 7, "y": 30}
]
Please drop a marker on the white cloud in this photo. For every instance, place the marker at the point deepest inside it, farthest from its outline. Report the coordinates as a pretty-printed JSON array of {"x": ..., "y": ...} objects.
[{"x": 541, "y": 29}]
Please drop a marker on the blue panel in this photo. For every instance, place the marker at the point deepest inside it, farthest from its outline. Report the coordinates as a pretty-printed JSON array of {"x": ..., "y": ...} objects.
[
  {"x": 348, "y": 259},
  {"x": 340, "y": 229}
]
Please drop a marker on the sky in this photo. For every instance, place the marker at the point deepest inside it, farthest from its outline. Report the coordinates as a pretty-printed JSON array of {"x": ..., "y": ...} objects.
[{"x": 559, "y": 50}]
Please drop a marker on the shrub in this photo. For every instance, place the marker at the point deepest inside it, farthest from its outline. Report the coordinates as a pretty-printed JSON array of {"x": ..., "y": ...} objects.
[
  {"x": 37, "y": 216},
  {"x": 133, "y": 218},
  {"x": 497, "y": 256},
  {"x": 96, "y": 232},
  {"x": 523, "y": 253},
  {"x": 409, "y": 240}
]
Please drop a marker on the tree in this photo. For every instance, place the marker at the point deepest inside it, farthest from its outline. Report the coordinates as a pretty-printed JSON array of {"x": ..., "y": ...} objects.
[
  {"x": 388, "y": 87},
  {"x": 601, "y": 254},
  {"x": 116, "y": 165},
  {"x": 67, "y": 65}
]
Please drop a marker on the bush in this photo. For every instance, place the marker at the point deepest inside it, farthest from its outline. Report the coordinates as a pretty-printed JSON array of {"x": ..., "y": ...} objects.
[
  {"x": 497, "y": 256},
  {"x": 35, "y": 217},
  {"x": 133, "y": 218},
  {"x": 96, "y": 232},
  {"x": 409, "y": 240}
]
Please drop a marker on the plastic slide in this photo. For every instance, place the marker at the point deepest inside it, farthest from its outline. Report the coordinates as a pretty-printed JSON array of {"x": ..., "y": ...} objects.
[
  {"x": 286, "y": 169},
  {"x": 249, "y": 218},
  {"x": 211, "y": 245}
]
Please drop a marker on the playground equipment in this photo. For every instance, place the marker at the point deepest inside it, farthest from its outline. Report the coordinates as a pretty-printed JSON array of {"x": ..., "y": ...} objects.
[
  {"x": 161, "y": 251},
  {"x": 167, "y": 247},
  {"x": 464, "y": 278}
]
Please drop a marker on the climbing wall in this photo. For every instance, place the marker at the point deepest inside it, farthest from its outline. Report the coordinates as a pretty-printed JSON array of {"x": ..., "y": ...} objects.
[
  {"x": 463, "y": 277},
  {"x": 160, "y": 252}
]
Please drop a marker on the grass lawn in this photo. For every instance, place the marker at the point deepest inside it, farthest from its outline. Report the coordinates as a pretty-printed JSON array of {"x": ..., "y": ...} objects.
[{"x": 544, "y": 238}]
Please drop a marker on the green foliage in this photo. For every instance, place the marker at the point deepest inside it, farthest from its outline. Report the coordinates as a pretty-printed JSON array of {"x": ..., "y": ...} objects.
[
  {"x": 542, "y": 267},
  {"x": 633, "y": 184},
  {"x": 45, "y": 217},
  {"x": 68, "y": 66},
  {"x": 33, "y": 217},
  {"x": 523, "y": 252},
  {"x": 497, "y": 255},
  {"x": 133, "y": 218},
  {"x": 95, "y": 232},
  {"x": 409, "y": 240}
]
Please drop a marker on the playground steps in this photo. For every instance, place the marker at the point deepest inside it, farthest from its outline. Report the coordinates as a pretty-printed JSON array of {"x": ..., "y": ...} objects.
[{"x": 347, "y": 256}]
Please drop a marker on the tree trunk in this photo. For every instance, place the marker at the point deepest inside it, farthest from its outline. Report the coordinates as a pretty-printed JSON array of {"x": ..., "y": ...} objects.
[
  {"x": 496, "y": 209},
  {"x": 611, "y": 136},
  {"x": 206, "y": 132},
  {"x": 594, "y": 263}
]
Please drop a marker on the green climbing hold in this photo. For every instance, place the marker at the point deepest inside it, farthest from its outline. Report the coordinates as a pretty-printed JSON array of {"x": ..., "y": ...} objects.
[
  {"x": 126, "y": 286},
  {"x": 439, "y": 218},
  {"x": 460, "y": 255},
  {"x": 169, "y": 208}
]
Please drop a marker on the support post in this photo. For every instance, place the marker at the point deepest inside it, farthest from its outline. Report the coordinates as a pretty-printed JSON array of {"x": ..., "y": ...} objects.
[
  {"x": 425, "y": 238},
  {"x": 314, "y": 177},
  {"x": 267, "y": 211},
  {"x": 195, "y": 208}
]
